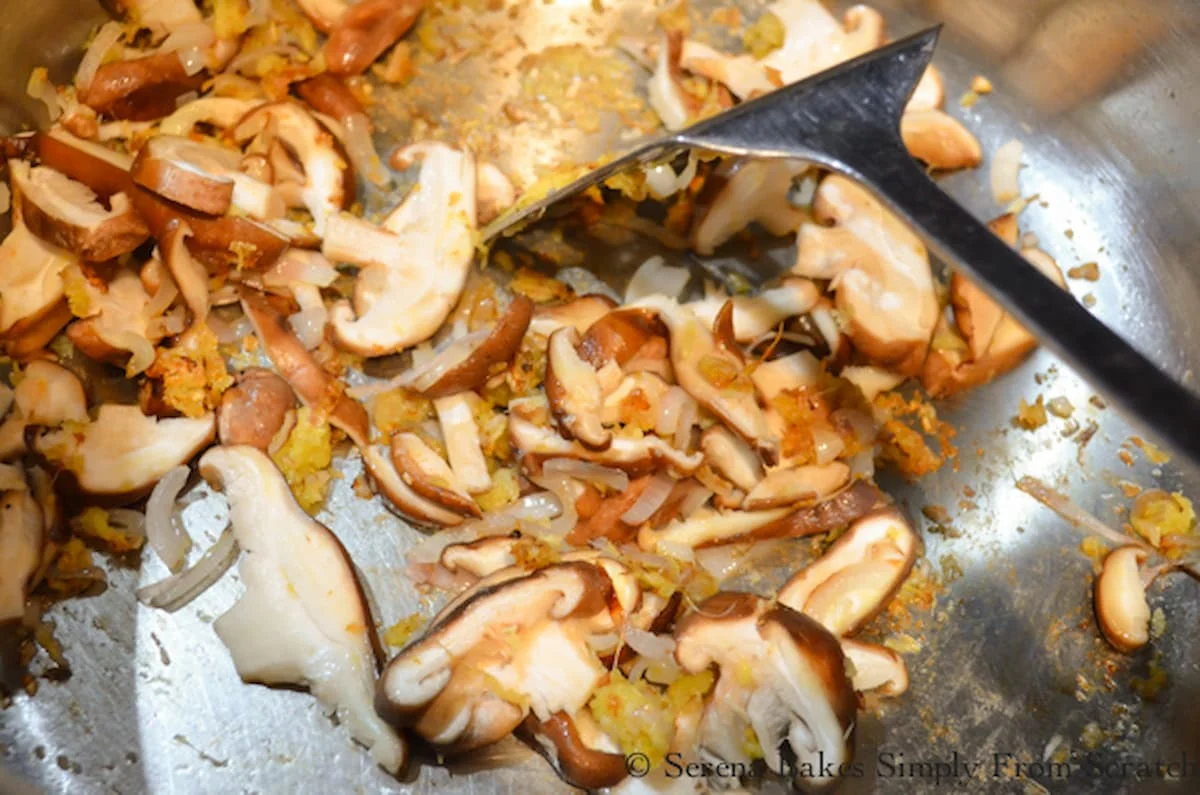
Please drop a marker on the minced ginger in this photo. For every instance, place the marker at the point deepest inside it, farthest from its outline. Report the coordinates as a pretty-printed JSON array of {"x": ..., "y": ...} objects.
[
  {"x": 94, "y": 523},
  {"x": 305, "y": 460},
  {"x": 193, "y": 373},
  {"x": 639, "y": 716},
  {"x": 1157, "y": 514}
]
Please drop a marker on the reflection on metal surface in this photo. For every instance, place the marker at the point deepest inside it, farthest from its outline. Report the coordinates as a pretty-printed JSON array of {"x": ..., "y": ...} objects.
[{"x": 1010, "y": 659}]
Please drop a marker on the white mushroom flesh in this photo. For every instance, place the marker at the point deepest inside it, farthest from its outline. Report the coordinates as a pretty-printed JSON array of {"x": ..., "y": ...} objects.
[
  {"x": 1121, "y": 600},
  {"x": 461, "y": 435},
  {"x": 754, "y": 316},
  {"x": 302, "y": 619},
  {"x": 403, "y": 295}
]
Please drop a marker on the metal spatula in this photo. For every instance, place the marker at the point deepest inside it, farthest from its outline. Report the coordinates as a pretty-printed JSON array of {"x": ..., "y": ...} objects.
[{"x": 847, "y": 119}]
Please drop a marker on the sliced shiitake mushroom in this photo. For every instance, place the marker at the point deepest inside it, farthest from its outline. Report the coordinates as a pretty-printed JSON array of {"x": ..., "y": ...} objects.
[
  {"x": 68, "y": 214},
  {"x": 730, "y": 457},
  {"x": 466, "y": 366},
  {"x": 1121, "y": 606},
  {"x": 788, "y": 486},
  {"x": 579, "y": 313},
  {"x": 617, "y": 335},
  {"x": 119, "y": 456},
  {"x": 259, "y": 411},
  {"x": 188, "y": 172},
  {"x": 574, "y": 391},
  {"x": 428, "y": 475}
]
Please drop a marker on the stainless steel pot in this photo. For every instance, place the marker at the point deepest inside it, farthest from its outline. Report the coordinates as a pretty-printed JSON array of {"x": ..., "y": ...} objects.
[{"x": 1100, "y": 92}]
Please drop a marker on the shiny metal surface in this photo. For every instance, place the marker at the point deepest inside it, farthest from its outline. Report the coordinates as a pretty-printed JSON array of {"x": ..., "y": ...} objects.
[{"x": 1010, "y": 660}]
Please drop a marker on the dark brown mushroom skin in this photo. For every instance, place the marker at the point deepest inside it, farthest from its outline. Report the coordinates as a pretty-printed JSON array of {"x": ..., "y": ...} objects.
[
  {"x": 365, "y": 30},
  {"x": 211, "y": 238},
  {"x": 618, "y": 335},
  {"x": 827, "y": 659},
  {"x": 296, "y": 364},
  {"x": 501, "y": 344},
  {"x": 854, "y": 502},
  {"x": 140, "y": 89},
  {"x": 83, "y": 335},
  {"x": 330, "y": 95},
  {"x": 574, "y": 762},
  {"x": 116, "y": 236},
  {"x": 253, "y": 410},
  {"x": 448, "y": 498}
]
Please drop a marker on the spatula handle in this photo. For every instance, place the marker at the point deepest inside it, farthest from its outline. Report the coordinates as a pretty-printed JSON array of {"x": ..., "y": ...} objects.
[{"x": 1148, "y": 396}]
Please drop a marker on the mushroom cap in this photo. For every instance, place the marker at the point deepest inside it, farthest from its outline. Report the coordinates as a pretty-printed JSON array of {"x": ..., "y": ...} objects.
[
  {"x": 617, "y": 335},
  {"x": 526, "y": 606},
  {"x": 481, "y": 557},
  {"x": 577, "y": 763},
  {"x": 755, "y": 315},
  {"x": 412, "y": 280},
  {"x": 633, "y": 456},
  {"x": 296, "y": 364},
  {"x": 302, "y": 618},
  {"x": 192, "y": 173},
  {"x": 574, "y": 391},
  {"x": 481, "y": 359},
  {"x": 730, "y": 457},
  {"x": 579, "y": 313},
  {"x": 328, "y": 179},
  {"x": 695, "y": 351},
  {"x": 189, "y": 276},
  {"x": 708, "y": 527},
  {"x": 793, "y": 485},
  {"x": 69, "y": 215},
  {"x": 857, "y": 575},
  {"x": 430, "y": 476},
  {"x": 119, "y": 456},
  {"x": 883, "y": 280},
  {"x": 364, "y": 30},
  {"x": 257, "y": 411},
  {"x": 939, "y": 140},
  {"x": 1121, "y": 607},
  {"x": 780, "y": 669},
  {"x": 50, "y": 394},
  {"x": 841, "y": 509},
  {"x": 752, "y": 191}
]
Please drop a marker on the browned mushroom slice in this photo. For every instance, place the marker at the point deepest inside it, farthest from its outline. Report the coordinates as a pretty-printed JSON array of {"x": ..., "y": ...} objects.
[
  {"x": 730, "y": 457},
  {"x": 222, "y": 112},
  {"x": 21, "y": 538},
  {"x": 258, "y": 411},
  {"x": 415, "y": 266},
  {"x": 467, "y": 364},
  {"x": 797, "y": 484},
  {"x": 119, "y": 325},
  {"x": 884, "y": 283},
  {"x": 328, "y": 183},
  {"x": 30, "y": 281},
  {"x": 574, "y": 391},
  {"x": 296, "y": 364},
  {"x": 106, "y": 172},
  {"x": 68, "y": 214},
  {"x": 634, "y": 456},
  {"x": 302, "y": 619},
  {"x": 140, "y": 89},
  {"x": 160, "y": 17},
  {"x": 860, "y": 498},
  {"x": 525, "y": 634},
  {"x": 939, "y": 140},
  {"x": 708, "y": 527},
  {"x": 876, "y": 669},
  {"x": 952, "y": 367},
  {"x": 605, "y": 521},
  {"x": 618, "y": 335},
  {"x": 482, "y": 557},
  {"x": 365, "y": 30},
  {"x": 429, "y": 475},
  {"x": 782, "y": 677},
  {"x": 1121, "y": 606},
  {"x": 27, "y": 339},
  {"x": 579, "y": 314},
  {"x": 119, "y": 456},
  {"x": 857, "y": 575},
  {"x": 755, "y": 315},
  {"x": 714, "y": 373},
  {"x": 190, "y": 276},
  {"x": 576, "y": 761},
  {"x": 191, "y": 173}
]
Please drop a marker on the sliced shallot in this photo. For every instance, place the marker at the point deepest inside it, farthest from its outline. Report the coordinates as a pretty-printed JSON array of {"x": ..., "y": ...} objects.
[
  {"x": 179, "y": 589},
  {"x": 167, "y": 535}
]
